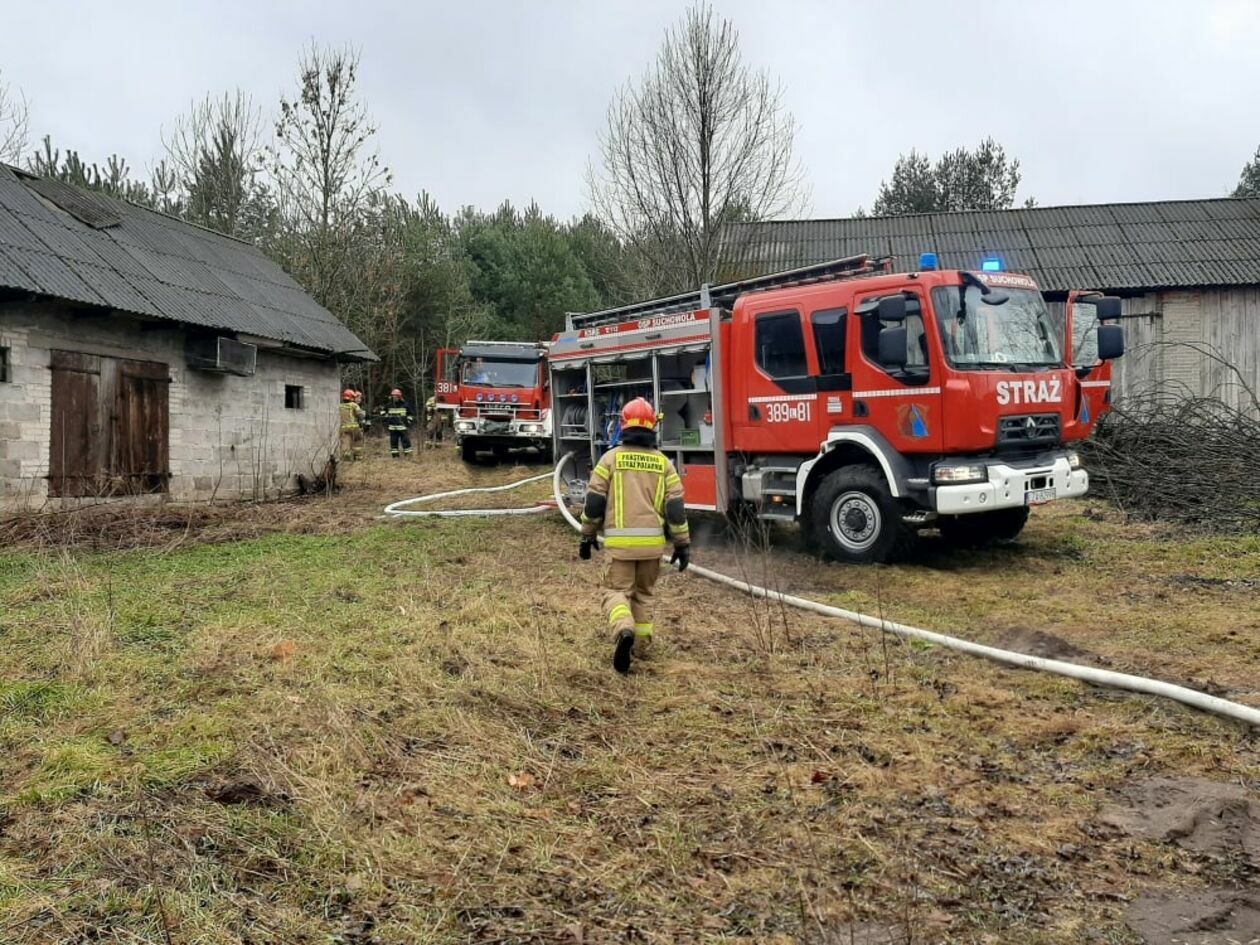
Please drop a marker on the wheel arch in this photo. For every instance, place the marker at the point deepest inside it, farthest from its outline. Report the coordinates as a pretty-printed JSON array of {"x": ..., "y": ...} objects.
[{"x": 849, "y": 448}]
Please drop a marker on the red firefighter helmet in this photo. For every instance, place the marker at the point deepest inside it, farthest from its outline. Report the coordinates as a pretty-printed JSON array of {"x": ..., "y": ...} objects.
[
  {"x": 395, "y": 393},
  {"x": 638, "y": 413},
  {"x": 347, "y": 394}
]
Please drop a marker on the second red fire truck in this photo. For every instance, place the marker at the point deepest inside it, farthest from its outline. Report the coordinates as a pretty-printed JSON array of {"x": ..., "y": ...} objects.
[
  {"x": 500, "y": 397},
  {"x": 863, "y": 403}
]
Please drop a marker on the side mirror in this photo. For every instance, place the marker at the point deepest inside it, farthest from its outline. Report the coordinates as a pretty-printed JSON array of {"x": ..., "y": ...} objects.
[
  {"x": 1110, "y": 342},
  {"x": 892, "y": 348},
  {"x": 892, "y": 308},
  {"x": 1107, "y": 307}
]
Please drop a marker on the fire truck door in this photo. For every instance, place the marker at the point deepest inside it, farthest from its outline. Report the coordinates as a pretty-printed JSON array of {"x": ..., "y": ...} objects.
[
  {"x": 829, "y": 330},
  {"x": 773, "y": 386},
  {"x": 447, "y": 386},
  {"x": 902, "y": 402},
  {"x": 1092, "y": 373}
]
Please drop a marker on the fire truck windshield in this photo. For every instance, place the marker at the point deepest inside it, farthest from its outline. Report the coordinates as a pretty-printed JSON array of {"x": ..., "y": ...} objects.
[
  {"x": 481, "y": 372},
  {"x": 976, "y": 335}
]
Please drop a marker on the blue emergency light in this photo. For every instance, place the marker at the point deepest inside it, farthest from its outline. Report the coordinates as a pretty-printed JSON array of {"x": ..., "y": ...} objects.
[
  {"x": 927, "y": 261},
  {"x": 992, "y": 264}
]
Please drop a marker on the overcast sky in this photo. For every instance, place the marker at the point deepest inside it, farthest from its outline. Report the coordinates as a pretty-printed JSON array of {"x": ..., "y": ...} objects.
[{"x": 477, "y": 101}]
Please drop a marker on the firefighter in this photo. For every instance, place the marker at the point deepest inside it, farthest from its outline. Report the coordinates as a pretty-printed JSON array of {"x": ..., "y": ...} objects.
[
  {"x": 398, "y": 418},
  {"x": 352, "y": 416},
  {"x": 365, "y": 421},
  {"x": 636, "y": 497},
  {"x": 432, "y": 421}
]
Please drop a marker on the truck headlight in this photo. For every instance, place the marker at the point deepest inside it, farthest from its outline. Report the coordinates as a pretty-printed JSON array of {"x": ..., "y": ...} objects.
[
  {"x": 531, "y": 428},
  {"x": 465, "y": 426},
  {"x": 959, "y": 474},
  {"x": 1074, "y": 460}
]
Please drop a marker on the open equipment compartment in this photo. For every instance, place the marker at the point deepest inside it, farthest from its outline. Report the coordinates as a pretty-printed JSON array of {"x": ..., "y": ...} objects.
[{"x": 602, "y": 369}]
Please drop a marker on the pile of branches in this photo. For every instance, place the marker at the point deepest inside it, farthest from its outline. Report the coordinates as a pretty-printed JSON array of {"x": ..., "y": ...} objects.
[{"x": 1190, "y": 460}]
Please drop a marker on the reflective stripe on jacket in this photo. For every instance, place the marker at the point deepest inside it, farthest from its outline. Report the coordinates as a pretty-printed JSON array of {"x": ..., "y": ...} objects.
[
  {"x": 399, "y": 415},
  {"x": 636, "y": 496},
  {"x": 351, "y": 415}
]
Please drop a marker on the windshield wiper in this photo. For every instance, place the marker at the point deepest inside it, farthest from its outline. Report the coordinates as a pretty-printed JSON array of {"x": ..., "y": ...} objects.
[{"x": 1007, "y": 365}]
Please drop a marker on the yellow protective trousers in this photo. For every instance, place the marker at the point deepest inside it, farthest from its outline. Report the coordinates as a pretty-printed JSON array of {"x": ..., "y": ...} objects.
[{"x": 629, "y": 589}]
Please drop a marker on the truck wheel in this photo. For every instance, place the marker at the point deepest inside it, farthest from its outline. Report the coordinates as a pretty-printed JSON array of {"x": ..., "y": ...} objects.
[
  {"x": 982, "y": 528},
  {"x": 855, "y": 518},
  {"x": 468, "y": 452}
]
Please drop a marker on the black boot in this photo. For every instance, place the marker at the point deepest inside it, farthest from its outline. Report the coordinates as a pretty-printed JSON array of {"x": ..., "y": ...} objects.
[{"x": 621, "y": 655}]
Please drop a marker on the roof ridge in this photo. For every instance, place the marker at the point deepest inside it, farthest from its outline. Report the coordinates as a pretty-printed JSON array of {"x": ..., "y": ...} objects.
[
  {"x": 183, "y": 222},
  {"x": 1057, "y": 206}
]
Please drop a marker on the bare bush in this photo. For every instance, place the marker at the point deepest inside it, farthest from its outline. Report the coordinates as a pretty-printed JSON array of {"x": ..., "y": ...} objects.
[{"x": 1181, "y": 458}]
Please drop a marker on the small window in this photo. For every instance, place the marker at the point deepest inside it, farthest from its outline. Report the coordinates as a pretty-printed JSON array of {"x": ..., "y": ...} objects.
[
  {"x": 294, "y": 398},
  {"x": 4, "y": 365},
  {"x": 916, "y": 337},
  {"x": 829, "y": 327},
  {"x": 781, "y": 345},
  {"x": 1085, "y": 334}
]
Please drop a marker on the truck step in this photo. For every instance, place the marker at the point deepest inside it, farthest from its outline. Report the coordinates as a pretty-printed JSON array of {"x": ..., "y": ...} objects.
[{"x": 778, "y": 515}]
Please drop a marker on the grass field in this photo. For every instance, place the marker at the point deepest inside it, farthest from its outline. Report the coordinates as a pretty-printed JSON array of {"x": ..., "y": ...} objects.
[{"x": 300, "y": 723}]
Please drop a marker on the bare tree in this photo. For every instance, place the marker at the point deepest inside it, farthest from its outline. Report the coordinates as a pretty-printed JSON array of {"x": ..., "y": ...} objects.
[
  {"x": 702, "y": 140},
  {"x": 216, "y": 152},
  {"x": 326, "y": 174},
  {"x": 14, "y": 123}
]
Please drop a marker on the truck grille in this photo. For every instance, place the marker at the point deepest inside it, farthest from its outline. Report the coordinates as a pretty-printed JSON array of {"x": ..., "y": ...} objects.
[{"x": 1028, "y": 429}]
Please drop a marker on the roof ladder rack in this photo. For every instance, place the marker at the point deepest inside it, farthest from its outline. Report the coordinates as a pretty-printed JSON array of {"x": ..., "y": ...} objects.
[{"x": 724, "y": 296}]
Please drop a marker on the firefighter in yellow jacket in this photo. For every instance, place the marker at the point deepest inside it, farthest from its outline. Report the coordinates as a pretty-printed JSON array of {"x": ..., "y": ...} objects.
[
  {"x": 636, "y": 497},
  {"x": 351, "y": 426}
]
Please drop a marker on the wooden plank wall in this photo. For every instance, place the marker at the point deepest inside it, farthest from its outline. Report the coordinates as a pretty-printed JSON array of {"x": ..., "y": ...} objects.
[
  {"x": 1231, "y": 329},
  {"x": 1182, "y": 341}
]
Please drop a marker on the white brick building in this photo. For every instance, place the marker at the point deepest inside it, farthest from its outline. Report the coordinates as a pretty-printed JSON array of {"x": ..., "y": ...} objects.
[{"x": 140, "y": 355}]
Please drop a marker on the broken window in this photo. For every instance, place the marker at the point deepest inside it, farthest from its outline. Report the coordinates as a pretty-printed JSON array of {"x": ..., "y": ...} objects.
[
  {"x": 4, "y": 365},
  {"x": 293, "y": 397}
]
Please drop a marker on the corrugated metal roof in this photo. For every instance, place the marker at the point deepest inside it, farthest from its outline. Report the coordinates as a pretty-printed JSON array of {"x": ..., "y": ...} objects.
[
  {"x": 59, "y": 241},
  {"x": 1180, "y": 243}
]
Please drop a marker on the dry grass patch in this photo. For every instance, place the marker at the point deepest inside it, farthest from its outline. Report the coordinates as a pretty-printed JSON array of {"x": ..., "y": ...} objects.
[{"x": 353, "y": 731}]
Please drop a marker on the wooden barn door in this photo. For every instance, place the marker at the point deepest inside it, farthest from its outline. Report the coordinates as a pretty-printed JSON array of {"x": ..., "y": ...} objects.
[
  {"x": 110, "y": 426},
  {"x": 141, "y": 424}
]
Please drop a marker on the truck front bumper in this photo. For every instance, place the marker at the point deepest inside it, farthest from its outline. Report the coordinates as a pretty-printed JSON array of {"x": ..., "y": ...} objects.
[
  {"x": 1012, "y": 486},
  {"x": 503, "y": 430}
]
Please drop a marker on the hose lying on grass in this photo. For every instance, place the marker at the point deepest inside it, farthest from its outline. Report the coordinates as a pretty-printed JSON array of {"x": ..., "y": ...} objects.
[
  {"x": 398, "y": 510},
  {"x": 1089, "y": 674}
]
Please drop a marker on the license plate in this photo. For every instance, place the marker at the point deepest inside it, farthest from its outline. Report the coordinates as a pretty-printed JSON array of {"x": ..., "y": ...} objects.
[{"x": 1038, "y": 496}]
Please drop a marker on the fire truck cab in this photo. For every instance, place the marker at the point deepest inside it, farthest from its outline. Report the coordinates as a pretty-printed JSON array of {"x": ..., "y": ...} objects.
[
  {"x": 503, "y": 398},
  {"x": 863, "y": 403}
]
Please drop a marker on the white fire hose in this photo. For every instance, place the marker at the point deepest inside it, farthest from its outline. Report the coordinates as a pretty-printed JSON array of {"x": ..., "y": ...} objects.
[
  {"x": 1089, "y": 674},
  {"x": 398, "y": 509}
]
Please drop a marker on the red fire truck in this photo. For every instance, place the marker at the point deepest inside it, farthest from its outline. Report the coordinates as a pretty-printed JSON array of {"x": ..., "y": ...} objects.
[
  {"x": 502, "y": 398},
  {"x": 863, "y": 403}
]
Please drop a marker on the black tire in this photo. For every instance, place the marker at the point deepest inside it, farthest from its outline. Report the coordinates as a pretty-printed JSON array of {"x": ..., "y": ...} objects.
[
  {"x": 983, "y": 528},
  {"x": 854, "y": 518},
  {"x": 468, "y": 452}
]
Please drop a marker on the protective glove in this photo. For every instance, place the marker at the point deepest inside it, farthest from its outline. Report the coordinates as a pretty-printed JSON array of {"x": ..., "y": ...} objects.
[
  {"x": 681, "y": 556},
  {"x": 585, "y": 548}
]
